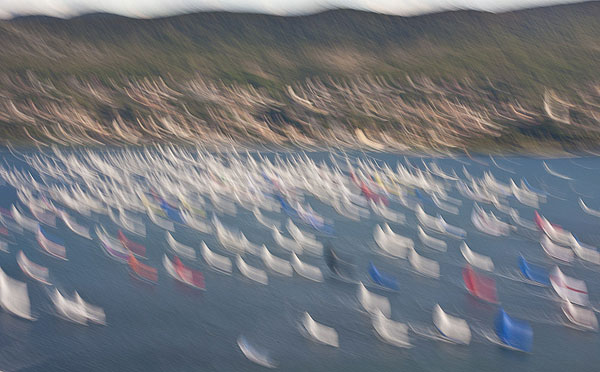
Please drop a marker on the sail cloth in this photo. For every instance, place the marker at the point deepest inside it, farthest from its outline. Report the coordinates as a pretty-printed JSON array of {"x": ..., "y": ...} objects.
[
  {"x": 568, "y": 288},
  {"x": 216, "y": 261},
  {"x": 305, "y": 270},
  {"x": 424, "y": 265},
  {"x": 251, "y": 272},
  {"x": 274, "y": 263},
  {"x": 51, "y": 245},
  {"x": 14, "y": 297},
  {"x": 319, "y": 332},
  {"x": 141, "y": 271},
  {"x": 178, "y": 271},
  {"x": 430, "y": 241},
  {"x": 581, "y": 317},
  {"x": 391, "y": 332},
  {"x": 514, "y": 334},
  {"x": 33, "y": 270},
  {"x": 180, "y": 249},
  {"x": 480, "y": 286},
  {"x": 259, "y": 357},
  {"x": 556, "y": 251},
  {"x": 452, "y": 328},
  {"x": 534, "y": 273},
  {"x": 112, "y": 247},
  {"x": 372, "y": 303},
  {"x": 478, "y": 260},
  {"x": 382, "y": 279}
]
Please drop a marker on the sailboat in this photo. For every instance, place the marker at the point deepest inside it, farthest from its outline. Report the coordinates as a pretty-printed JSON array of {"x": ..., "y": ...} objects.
[
  {"x": 142, "y": 271},
  {"x": 214, "y": 260},
  {"x": 451, "y": 328},
  {"x": 480, "y": 286},
  {"x": 568, "y": 288},
  {"x": 259, "y": 357},
  {"x": 51, "y": 246},
  {"x": 533, "y": 273},
  {"x": 478, "y": 260},
  {"x": 513, "y": 334},
  {"x": 424, "y": 265},
  {"x": 250, "y": 272},
  {"x": 178, "y": 271},
  {"x": 319, "y": 332},
  {"x": 33, "y": 270},
  {"x": 180, "y": 249},
  {"x": 372, "y": 302},
  {"x": 274, "y": 263},
  {"x": 581, "y": 317},
  {"x": 382, "y": 279},
  {"x": 391, "y": 332},
  {"x": 556, "y": 251},
  {"x": 303, "y": 269},
  {"x": 14, "y": 297}
]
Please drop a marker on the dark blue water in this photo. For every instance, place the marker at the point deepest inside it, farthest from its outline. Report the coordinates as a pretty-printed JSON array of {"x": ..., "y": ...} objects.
[{"x": 171, "y": 328}]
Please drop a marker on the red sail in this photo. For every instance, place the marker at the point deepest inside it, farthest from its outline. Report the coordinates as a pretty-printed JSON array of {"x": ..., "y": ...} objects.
[
  {"x": 480, "y": 286},
  {"x": 144, "y": 272},
  {"x": 134, "y": 247}
]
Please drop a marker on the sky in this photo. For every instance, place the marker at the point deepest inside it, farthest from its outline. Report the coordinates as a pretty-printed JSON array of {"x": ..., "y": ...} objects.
[{"x": 154, "y": 8}]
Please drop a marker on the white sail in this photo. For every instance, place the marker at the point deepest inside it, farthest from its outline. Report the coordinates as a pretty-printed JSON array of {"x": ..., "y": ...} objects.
[
  {"x": 25, "y": 222},
  {"x": 454, "y": 329},
  {"x": 514, "y": 215},
  {"x": 372, "y": 302},
  {"x": 319, "y": 332},
  {"x": 587, "y": 209},
  {"x": 385, "y": 212},
  {"x": 581, "y": 317},
  {"x": 275, "y": 263},
  {"x": 569, "y": 289},
  {"x": 391, "y": 332},
  {"x": 75, "y": 227},
  {"x": 179, "y": 248},
  {"x": 93, "y": 313},
  {"x": 306, "y": 240},
  {"x": 585, "y": 253},
  {"x": 556, "y": 251},
  {"x": 73, "y": 311},
  {"x": 32, "y": 269},
  {"x": 267, "y": 222},
  {"x": 285, "y": 243},
  {"x": 430, "y": 241},
  {"x": 426, "y": 220},
  {"x": 250, "y": 272},
  {"x": 477, "y": 260},
  {"x": 386, "y": 245},
  {"x": 397, "y": 239},
  {"x": 524, "y": 196},
  {"x": 423, "y": 265},
  {"x": 308, "y": 271},
  {"x": 14, "y": 297},
  {"x": 254, "y": 355},
  {"x": 215, "y": 260}
]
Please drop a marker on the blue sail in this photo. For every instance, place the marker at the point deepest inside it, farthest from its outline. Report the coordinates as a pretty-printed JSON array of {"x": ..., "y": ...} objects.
[
  {"x": 287, "y": 208},
  {"x": 172, "y": 213},
  {"x": 382, "y": 279},
  {"x": 535, "y": 273},
  {"x": 514, "y": 333}
]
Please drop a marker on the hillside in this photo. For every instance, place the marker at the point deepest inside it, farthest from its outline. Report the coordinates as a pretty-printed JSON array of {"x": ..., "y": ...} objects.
[{"x": 460, "y": 78}]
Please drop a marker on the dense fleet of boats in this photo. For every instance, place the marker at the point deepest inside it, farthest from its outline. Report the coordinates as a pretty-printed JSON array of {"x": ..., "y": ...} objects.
[{"x": 179, "y": 189}]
